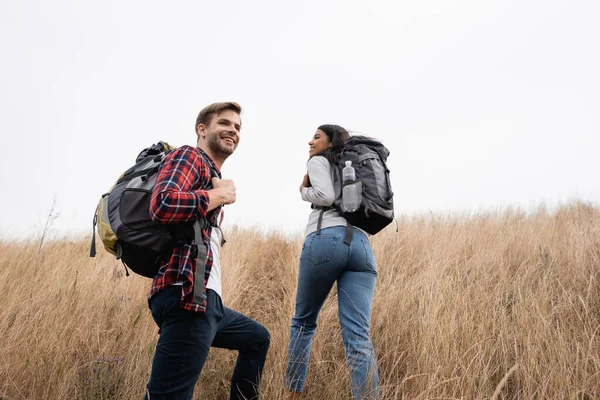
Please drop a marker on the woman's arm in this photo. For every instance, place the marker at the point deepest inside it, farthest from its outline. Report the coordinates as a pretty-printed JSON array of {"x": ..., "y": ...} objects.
[{"x": 321, "y": 193}]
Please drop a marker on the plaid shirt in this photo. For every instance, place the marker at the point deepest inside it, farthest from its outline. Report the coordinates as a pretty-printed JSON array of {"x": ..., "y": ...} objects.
[{"x": 179, "y": 196}]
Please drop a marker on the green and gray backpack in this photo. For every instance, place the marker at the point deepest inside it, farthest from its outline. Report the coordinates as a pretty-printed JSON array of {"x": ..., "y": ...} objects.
[{"x": 124, "y": 223}]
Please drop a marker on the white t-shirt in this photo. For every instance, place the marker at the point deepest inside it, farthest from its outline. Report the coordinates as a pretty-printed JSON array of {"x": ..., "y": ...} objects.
[{"x": 214, "y": 279}]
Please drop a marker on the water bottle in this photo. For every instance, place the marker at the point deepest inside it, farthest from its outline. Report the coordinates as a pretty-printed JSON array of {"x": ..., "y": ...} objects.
[{"x": 351, "y": 189}]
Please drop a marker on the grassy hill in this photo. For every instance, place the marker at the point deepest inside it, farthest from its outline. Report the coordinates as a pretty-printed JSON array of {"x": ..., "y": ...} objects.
[{"x": 503, "y": 305}]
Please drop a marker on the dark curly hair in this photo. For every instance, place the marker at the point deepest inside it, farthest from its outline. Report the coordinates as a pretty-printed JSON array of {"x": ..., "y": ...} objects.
[{"x": 338, "y": 136}]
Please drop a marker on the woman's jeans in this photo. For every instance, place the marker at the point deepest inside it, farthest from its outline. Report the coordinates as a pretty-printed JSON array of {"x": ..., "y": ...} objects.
[
  {"x": 325, "y": 258},
  {"x": 186, "y": 337}
]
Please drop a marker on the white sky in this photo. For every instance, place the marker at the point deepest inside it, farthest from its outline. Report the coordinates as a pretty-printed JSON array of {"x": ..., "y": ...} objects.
[{"x": 483, "y": 103}]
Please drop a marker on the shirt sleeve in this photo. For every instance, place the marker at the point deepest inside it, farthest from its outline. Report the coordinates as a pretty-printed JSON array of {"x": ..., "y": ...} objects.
[
  {"x": 178, "y": 194},
  {"x": 321, "y": 193}
]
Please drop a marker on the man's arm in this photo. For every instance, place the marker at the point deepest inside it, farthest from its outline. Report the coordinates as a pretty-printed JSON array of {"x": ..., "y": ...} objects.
[
  {"x": 223, "y": 192},
  {"x": 174, "y": 199}
]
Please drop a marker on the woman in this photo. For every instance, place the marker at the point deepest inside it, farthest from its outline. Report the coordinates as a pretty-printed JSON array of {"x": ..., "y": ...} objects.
[{"x": 325, "y": 258}]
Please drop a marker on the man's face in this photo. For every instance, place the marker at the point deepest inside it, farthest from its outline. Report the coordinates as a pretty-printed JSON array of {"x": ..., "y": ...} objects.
[{"x": 223, "y": 133}]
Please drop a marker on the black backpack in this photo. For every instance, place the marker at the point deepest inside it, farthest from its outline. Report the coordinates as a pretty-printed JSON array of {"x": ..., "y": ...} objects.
[
  {"x": 369, "y": 159},
  {"x": 124, "y": 223}
]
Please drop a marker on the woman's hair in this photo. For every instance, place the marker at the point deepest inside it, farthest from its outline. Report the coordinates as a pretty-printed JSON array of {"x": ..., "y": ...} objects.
[{"x": 338, "y": 136}]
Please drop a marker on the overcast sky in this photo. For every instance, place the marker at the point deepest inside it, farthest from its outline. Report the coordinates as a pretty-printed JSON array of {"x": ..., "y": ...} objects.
[{"x": 484, "y": 104}]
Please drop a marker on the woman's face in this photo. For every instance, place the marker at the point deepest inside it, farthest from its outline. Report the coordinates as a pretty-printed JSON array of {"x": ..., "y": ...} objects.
[{"x": 319, "y": 142}]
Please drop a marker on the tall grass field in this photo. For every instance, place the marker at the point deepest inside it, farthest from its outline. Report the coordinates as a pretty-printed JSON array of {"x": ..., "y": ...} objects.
[{"x": 499, "y": 305}]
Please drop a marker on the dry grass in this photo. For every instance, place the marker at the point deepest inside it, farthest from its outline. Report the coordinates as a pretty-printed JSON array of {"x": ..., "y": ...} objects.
[{"x": 503, "y": 306}]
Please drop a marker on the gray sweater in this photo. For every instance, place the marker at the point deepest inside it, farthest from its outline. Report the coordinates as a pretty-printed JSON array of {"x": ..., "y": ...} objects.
[{"x": 321, "y": 193}]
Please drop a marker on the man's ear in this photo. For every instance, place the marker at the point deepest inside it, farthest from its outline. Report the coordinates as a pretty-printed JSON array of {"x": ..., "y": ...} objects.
[{"x": 201, "y": 131}]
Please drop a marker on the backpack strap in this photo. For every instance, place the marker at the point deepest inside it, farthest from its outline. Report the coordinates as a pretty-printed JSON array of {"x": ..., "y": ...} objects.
[
  {"x": 93, "y": 244},
  {"x": 214, "y": 174},
  {"x": 323, "y": 209},
  {"x": 349, "y": 233},
  {"x": 199, "y": 294},
  {"x": 349, "y": 227}
]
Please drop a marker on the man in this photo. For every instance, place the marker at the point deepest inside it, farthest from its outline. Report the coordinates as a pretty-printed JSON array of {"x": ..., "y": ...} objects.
[{"x": 185, "y": 299}]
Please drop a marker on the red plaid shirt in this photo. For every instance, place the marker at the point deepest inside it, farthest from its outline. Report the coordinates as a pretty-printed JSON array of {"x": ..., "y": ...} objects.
[{"x": 180, "y": 195}]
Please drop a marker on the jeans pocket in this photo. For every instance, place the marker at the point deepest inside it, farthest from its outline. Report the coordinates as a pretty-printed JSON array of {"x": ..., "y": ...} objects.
[
  {"x": 164, "y": 302},
  {"x": 321, "y": 248},
  {"x": 369, "y": 256}
]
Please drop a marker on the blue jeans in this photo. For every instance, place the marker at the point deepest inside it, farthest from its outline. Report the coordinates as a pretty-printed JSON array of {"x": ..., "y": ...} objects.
[
  {"x": 186, "y": 337},
  {"x": 325, "y": 258}
]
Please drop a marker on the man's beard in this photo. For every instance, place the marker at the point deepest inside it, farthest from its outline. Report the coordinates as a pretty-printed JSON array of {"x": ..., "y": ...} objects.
[{"x": 217, "y": 147}]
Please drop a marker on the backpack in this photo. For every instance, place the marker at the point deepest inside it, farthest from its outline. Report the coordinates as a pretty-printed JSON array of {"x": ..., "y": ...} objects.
[
  {"x": 376, "y": 211},
  {"x": 123, "y": 217}
]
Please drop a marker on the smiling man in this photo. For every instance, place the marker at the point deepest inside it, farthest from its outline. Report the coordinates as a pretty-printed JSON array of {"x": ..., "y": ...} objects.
[{"x": 185, "y": 299}]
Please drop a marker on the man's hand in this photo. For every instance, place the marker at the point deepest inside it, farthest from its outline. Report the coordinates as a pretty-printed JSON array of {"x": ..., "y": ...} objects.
[
  {"x": 305, "y": 182},
  {"x": 223, "y": 192}
]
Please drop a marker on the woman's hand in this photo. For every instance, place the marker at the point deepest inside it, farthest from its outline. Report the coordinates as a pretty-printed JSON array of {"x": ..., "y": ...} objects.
[{"x": 305, "y": 182}]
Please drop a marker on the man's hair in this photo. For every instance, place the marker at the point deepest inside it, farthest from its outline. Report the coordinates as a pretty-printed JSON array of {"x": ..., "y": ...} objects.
[{"x": 206, "y": 114}]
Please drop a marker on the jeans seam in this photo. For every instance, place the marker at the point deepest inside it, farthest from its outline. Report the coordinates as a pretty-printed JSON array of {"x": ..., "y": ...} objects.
[{"x": 371, "y": 266}]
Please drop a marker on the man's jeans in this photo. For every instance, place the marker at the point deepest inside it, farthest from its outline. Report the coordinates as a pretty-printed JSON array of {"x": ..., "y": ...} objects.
[
  {"x": 186, "y": 337},
  {"x": 325, "y": 258}
]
